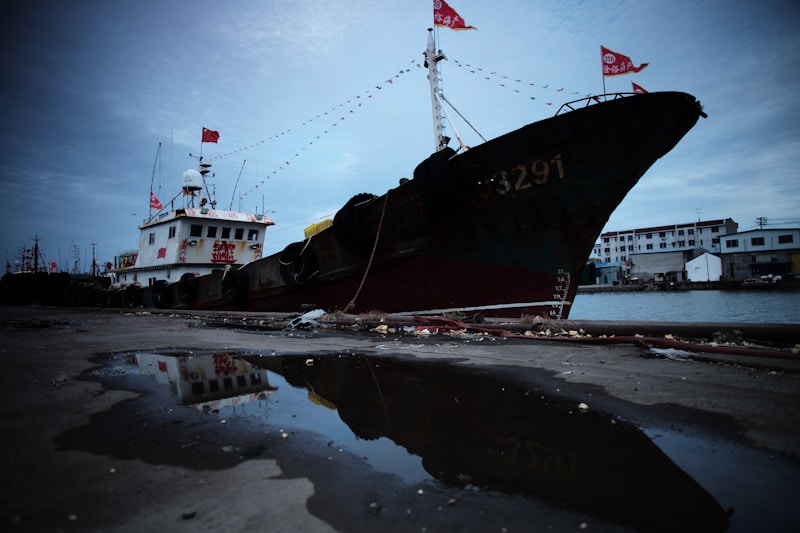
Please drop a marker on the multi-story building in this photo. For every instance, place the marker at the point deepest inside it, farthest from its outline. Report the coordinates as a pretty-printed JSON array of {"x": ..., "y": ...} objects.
[
  {"x": 619, "y": 246},
  {"x": 657, "y": 253},
  {"x": 760, "y": 252}
]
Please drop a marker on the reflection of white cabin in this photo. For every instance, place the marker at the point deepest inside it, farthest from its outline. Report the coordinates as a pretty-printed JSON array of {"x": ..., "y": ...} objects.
[
  {"x": 194, "y": 240},
  {"x": 209, "y": 380}
]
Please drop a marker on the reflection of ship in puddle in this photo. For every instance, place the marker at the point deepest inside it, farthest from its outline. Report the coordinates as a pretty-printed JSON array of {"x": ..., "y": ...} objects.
[
  {"x": 472, "y": 428},
  {"x": 208, "y": 382}
]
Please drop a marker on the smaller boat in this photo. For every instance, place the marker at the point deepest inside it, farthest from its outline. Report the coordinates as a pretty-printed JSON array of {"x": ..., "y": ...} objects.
[{"x": 178, "y": 244}]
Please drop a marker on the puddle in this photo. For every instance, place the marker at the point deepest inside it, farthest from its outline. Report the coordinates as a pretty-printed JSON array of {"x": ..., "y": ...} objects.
[{"x": 457, "y": 426}]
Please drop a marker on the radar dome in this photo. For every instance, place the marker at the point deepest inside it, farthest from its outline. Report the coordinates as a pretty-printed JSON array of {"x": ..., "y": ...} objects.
[{"x": 192, "y": 180}]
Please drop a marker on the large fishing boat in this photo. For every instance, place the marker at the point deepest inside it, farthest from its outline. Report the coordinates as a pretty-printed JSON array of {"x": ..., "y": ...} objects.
[{"x": 502, "y": 229}]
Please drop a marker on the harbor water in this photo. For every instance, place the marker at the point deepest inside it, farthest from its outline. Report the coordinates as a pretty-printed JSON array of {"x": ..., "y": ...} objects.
[{"x": 756, "y": 306}]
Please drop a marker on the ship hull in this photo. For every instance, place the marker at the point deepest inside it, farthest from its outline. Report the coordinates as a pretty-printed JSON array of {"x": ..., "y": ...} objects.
[{"x": 503, "y": 229}]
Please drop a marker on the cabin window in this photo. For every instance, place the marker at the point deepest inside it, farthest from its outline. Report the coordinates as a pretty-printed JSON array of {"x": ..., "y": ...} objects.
[
  {"x": 757, "y": 241},
  {"x": 785, "y": 239},
  {"x": 241, "y": 381},
  {"x": 226, "y": 233},
  {"x": 239, "y": 234},
  {"x": 255, "y": 378},
  {"x": 196, "y": 230},
  {"x": 172, "y": 231},
  {"x": 213, "y": 385},
  {"x": 732, "y": 243},
  {"x": 252, "y": 235},
  {"x": 227, "y": 382},
  {"x": 211, "y": 233},
  {"x": 152, "y": 238}
]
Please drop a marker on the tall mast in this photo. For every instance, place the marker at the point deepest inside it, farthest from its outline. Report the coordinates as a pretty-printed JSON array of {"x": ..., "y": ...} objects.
[{"x": 432, "y": 58}]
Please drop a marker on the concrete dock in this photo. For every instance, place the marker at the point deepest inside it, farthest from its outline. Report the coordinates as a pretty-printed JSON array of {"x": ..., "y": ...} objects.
[{"x": 86, "y": 450}]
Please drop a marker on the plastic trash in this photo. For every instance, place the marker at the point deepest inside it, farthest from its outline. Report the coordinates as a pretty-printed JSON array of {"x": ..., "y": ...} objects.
[{"x": 307, "y": 319}]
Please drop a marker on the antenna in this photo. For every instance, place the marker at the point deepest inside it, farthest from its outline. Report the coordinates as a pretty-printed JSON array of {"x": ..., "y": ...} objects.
[{"x": 761, "y": 221}]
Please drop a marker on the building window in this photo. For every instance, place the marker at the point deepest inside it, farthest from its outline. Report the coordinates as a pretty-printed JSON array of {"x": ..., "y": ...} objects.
[
  {"x": 691, "y": 231},
  {"x": 211, "y": 233},
  {"x": 757, "y": 241},
  {"x": 252, "y": 235},
  {"x": 238, "y": 234},
  {"x": 662, "y": 245},
  {"x": 172, "y": 231},
  {"x": 196, "y": 230},
  {"x": 226, "y": 233},
  {"x": 680, "y": 232},
  {"x": 785, "y": 239},
  {"x": 152, "y": 238},
  {"x": 715, "y": 229},
  {"x": 630, "y": 237},
  {"x": 606, "y": 240},
  {"x": 630, "y": 248},
  {"x": 662, "y": 234},
  {"x": 681, "y": 243},
  {"x": 650, "y": 246},
  {"x": 732, "y": 243},
  {"x": 648, "y": 236},
  {"x": 691, "y": 242}
]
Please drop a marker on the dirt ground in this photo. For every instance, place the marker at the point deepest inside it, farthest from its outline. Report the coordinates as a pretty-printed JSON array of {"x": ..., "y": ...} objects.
[{"x": 85, "y": 450}]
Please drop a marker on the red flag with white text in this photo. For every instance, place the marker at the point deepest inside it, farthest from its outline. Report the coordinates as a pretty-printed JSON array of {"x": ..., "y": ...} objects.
[
  {"x": 210, "y": 136},
  {"x": 615, "y": 64},
  {"x": 154, "y": 202},
  {"x": 444, "y": 15},
  {"x": 638, "y": 89}
]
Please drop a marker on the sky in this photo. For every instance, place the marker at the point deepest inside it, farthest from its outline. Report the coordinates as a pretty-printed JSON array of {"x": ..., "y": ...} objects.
[{"x": 316, "y": 101}]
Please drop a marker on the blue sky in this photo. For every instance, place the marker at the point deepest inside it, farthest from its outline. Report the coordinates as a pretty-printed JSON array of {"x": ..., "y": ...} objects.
[{"x": 91, "y": 87}]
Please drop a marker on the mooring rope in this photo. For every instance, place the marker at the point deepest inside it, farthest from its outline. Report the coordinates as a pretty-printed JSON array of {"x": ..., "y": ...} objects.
[{"x": 352, "y": 303}]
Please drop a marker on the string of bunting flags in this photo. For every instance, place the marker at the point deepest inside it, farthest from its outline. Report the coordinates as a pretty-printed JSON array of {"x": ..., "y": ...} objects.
[
  {"x": 342, "y": 111},
  {"x": 516, "y": 85}
]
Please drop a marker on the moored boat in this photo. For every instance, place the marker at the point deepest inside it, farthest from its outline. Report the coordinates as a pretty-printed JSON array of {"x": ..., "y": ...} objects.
[{"x": 502, "y": 229}]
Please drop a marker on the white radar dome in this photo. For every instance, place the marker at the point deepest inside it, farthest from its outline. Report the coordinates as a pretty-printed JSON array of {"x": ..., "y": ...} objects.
[{"x": 192, "y": 180}]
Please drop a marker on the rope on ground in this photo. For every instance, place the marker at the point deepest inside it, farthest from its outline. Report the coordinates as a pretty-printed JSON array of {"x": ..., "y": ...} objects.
[
  {"x": 447, "y": 323},
  {"x": 352, "y": 302}
]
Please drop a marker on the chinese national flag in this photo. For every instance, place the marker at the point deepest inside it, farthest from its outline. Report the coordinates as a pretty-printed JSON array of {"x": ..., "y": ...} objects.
[
  {"x": 638, "y": 89},
  {"x": 162, "y": 252},
  {"x": 444, "y": 15},
  {"x": 154, "y": 202},
  {"x": 615, "y": 64},
  {"x": 210, "y": 136}
]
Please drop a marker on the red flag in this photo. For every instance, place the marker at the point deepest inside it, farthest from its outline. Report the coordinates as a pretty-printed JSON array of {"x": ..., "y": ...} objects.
[
  {"x": 162, "y": 252},
  {"x": 154, "y": 202},
  {"x": 210, "y": 136},
  {"x": 615, "y": 64},
  {"x": 638, "y": 89},
  {"x": 444, "y": 15}
]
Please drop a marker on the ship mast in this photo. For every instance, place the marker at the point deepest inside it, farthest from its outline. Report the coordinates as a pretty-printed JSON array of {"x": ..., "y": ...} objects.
[{"x": 432, "y": 58}]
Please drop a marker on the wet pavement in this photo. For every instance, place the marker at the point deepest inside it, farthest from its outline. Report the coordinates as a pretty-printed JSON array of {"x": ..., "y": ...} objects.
[{"x": 132, "y": 421}]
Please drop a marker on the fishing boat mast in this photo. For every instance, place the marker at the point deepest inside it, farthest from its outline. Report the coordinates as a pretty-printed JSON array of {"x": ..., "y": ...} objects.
[{"x": 432, "y": 58}]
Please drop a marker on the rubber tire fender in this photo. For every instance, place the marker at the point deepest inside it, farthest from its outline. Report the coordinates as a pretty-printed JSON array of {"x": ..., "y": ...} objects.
[
  {"x": 348, "y": 227},
  {"x": 187, "y": 288},
  {"x": 298, "y": 264},
  {"x": 235, "y": 284}
]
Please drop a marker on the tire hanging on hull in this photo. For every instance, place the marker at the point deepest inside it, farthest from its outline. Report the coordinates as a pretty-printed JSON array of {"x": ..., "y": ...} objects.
[
  {"x": 298, "y": 264},
  {"x": 348, "y": 227},
  {"x": 235, "y": 284}
]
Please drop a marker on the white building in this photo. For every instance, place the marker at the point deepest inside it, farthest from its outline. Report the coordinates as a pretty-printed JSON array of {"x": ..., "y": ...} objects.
[
  {"x": 761, "y": 252},
  {"x": 706, "y": 267},
  {"x": 621, "y": 245}
]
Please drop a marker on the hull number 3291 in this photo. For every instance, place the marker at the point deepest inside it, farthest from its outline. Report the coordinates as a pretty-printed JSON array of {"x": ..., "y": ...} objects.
[{"x": 522, "y": 176}]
